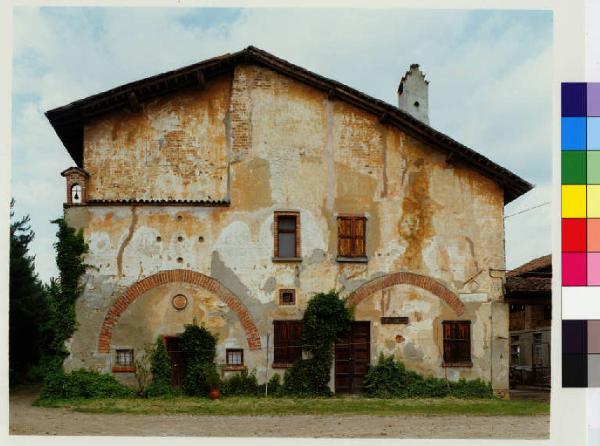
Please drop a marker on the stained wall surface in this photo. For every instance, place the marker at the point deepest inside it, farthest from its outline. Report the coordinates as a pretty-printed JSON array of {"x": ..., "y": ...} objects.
[{"x": 268, "y": 143}]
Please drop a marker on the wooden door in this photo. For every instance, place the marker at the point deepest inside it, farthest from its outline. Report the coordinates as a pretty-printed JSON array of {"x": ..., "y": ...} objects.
[
  {"x": 177, "y": 360},
  {"x": 352, "y": 358}
]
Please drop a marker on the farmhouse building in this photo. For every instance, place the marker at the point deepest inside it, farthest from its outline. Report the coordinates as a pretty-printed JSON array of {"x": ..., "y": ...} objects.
[
  {"x": 529, "y": 295},
  {"x": 231, "y": 190}
]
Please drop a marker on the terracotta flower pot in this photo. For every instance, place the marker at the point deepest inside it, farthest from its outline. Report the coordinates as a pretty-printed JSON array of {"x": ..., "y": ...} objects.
[{"x": 214, "y": 394}]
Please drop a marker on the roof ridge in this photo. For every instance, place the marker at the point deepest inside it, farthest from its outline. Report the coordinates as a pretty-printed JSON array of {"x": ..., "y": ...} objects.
[{"x": 68, "y": 120}]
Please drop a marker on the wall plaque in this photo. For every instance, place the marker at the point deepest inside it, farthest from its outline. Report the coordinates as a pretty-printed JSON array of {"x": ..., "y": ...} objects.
[{"x": 394, "y": 320}]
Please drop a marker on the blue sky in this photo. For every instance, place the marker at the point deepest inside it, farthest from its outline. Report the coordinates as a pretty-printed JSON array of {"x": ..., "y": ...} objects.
[{"x": 490, "y": 76}]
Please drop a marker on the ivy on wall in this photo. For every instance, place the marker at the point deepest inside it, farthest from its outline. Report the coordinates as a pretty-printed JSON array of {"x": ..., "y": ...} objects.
[
  {"x": 63, "y": 293},
  {"x": 326, "y": 316}
]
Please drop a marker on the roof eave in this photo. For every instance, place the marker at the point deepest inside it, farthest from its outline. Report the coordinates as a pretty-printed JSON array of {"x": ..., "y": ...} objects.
[{"x": 74, "y": 115}]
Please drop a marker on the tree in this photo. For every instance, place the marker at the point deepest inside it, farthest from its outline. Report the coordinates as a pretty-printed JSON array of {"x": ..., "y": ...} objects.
[{"x": 28, "y": 305}]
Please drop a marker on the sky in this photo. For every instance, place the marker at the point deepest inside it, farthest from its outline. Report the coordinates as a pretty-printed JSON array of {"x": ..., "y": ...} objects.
[{"x": 490, "y": 76}]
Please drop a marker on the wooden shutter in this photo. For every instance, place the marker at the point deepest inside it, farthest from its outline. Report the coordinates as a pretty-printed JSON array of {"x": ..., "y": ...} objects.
[
  {"x": 280, "y": 342},
  {"x": 345, "y": 242},
  {"x": 287, "y": 341},
  {"x": 358, "y": 233},
  {"x": 457, "y": 341},
  {"x": 351, "y": 236}
]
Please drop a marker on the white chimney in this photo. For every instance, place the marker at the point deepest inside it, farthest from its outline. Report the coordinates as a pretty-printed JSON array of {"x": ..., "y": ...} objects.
[{"x": 413, "y": 96}]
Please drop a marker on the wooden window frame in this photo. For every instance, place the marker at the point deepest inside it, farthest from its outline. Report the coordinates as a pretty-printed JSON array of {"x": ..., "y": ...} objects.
[
  {"x": 360, "y": 257},
  {"x": 283, "y": 360},
  {"x": 283, "y": 291},
  {"x": 234, "y": 367},
  {"x": 463, "y": 362},
  {"x": 118, "y": 368},
  {"x": 298, "y": 256}
]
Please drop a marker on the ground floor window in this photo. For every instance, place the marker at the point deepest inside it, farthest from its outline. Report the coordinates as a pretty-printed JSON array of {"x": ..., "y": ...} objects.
[
  {"x": 124, "y": 358},
  {"x": 235, "y": 356},
  {"x": 287, "y": 342},
  {"x": 515, "y": 351},
  {"x": 457, "y": 342}
]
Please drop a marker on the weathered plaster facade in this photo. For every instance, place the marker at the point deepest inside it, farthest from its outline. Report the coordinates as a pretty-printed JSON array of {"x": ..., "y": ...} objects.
[{"x": 264, "y": 142}]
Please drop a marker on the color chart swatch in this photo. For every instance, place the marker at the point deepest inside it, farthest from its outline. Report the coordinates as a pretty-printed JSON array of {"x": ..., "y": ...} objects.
[
  {"x": 580, "y": 153},
  {"x": 581, "y": 353}
]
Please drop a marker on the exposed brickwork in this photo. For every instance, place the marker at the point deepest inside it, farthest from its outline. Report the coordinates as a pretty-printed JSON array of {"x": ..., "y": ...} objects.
[
  {"x": 170, "y": 276},
  {"x": 76, "y": 175},
  {"x": 406, "y": 278},
  {"x": 239, "y": 112}
]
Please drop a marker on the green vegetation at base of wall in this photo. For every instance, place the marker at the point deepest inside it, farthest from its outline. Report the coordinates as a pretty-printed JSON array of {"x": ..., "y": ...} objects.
[
  {"x": 160, "y": 368},
  {"x": 82, "y": 384},
  {"x": 62, "y": 295},
  {"x": 253, "y": 406},
  {"x": 390, "y": 379}
]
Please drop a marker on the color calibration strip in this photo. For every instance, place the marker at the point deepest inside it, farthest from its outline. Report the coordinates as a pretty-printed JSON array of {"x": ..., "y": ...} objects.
[
  {"x": 580, "y": 153},
  {"x": 581, "y": 353},
  {"x": 580, "y": 178}
]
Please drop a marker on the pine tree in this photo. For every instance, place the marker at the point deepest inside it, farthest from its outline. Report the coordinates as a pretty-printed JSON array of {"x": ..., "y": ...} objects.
[{"x": 28, "y": 305}]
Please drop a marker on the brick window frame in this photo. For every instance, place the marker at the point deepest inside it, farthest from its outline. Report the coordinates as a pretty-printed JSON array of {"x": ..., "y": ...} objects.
[
  {"x": 121, "y": 366},
  {"x": 282, "y": 296},
  {"x": 352, "y": 238},
  {"x": 457, "y": 343},
  {"x": 287, "y": 343},
  {"x": 297, "y": 252}
]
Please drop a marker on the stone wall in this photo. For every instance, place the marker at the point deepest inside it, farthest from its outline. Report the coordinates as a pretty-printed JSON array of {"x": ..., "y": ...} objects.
[{"x": 269, "y": 143}]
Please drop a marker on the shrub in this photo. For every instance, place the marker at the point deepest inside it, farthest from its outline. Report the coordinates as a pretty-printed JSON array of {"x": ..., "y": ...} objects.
[
  {"x": 275, "y": 387},
  {"x": 83, "y": 383},
  {"x": 199, "y": 350},
  {"x": 160, "y": 363},
  {"x": 158, "y": 388},
  {"x": 306, "y": 378},
  {"x": 390, "y": 379},
  {"x": 198, "y": 344},
  {"x": 200, "y": 378},
  {"x": 243, "y": 383},
  {"x": 325, "y": 318},
  {"x": 160, "y": 368}
]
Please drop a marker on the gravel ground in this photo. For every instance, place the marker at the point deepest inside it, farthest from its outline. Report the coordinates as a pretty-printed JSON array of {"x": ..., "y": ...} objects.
[{"x": 26, "y": 419}]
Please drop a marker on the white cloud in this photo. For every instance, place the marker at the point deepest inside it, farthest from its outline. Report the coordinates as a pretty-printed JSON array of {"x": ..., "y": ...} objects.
[{"x": 490, "y": 80}]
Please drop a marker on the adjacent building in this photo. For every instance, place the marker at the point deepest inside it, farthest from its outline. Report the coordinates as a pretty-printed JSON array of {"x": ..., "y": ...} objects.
[
  {"x": 529, "y": 294},
  {"x": 233, "y": 189}
]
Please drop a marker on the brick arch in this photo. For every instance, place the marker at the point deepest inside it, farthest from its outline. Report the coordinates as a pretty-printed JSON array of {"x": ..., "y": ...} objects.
[
  {"x": 170, "y": 276},
  {"x": 406, "y": 278}
]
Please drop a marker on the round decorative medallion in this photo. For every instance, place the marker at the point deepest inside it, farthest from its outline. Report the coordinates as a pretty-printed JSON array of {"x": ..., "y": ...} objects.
[{"x": 179, "y": 302}]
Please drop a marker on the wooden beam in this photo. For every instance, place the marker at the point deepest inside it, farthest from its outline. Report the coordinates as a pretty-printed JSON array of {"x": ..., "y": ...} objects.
[
  {"x": 134, "y": 103},
  {"x": 200, "y": 79},
  {"x": 384, "y": 118},
  {"x": 332, "y": 94}
]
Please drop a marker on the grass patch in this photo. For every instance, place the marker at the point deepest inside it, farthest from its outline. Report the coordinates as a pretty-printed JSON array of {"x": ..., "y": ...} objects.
[{"x": 301, "y": 406}]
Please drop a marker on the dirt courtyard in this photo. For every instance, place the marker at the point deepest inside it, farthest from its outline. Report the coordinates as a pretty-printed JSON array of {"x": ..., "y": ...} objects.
[{"x": 26, "y": 419}]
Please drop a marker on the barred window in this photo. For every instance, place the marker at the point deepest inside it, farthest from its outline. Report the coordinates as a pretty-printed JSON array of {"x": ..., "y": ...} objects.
[
  {"x": 125, "y": 358},
  {"x": 235, "y": 356}
]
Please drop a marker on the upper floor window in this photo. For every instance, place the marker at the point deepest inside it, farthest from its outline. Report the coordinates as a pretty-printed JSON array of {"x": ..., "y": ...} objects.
[
  {"x": 457, "y": 343},
  {"x": 287, "y": 297},
  {"x": 351, "y": 238},
  {"x": 287, "y": 236},
  {"x": 76, "y": 193}
]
